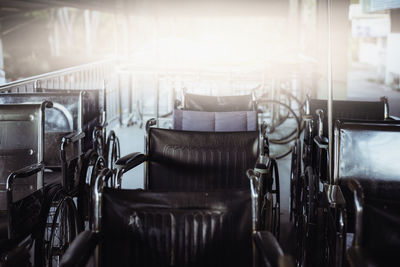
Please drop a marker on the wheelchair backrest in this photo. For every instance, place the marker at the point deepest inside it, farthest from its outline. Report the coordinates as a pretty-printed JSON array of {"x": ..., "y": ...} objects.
[
  {"x": 218, "y": 103},
  {"x": 356, "y": 110},
  {"x": 21, "y": 145},
  {"x": 143, "y": 228},
  {"x": 366, "y": 150},
  {"x": 93, "y": 108},
  {"x": 199, "y": 161},
  {"x": 188, "y": 120},
  {"x": 65, "y": 117}
]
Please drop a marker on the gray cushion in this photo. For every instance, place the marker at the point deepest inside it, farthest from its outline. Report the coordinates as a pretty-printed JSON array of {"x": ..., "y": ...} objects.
[{"x": 236, "y": 121}]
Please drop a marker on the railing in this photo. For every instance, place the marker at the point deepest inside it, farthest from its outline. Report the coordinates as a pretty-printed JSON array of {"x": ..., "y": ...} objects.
[
  {"x": 98, "y": 75},
  {"x": 133, "y": 92}
]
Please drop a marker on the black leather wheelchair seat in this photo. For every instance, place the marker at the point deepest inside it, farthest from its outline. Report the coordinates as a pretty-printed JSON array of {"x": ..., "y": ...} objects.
[{"x": 147, "y": 228}]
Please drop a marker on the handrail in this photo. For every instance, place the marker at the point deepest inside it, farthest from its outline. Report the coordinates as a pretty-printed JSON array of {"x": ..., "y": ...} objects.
[{"x": 55, "y": 74}]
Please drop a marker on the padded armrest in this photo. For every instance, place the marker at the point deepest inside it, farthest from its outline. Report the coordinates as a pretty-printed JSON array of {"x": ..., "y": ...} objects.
[
  {"x": 23, "y": 173},
  {"x": 321, "y": 141},
  {"x": 395, "y": 118},
  {"x": 268, "y": 248},
  {"x": 80, "y": 249},
  {"x": 130, "y": 161},
  {"x": 73, "y": 137}
]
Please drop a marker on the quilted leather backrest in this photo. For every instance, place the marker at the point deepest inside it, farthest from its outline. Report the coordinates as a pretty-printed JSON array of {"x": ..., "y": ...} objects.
[
  {"x": 199, "y": 161},
  {"x": 188, "y": 120},
  {"x": 218, "y": 103},
  {"x": 142, "y": 228}
]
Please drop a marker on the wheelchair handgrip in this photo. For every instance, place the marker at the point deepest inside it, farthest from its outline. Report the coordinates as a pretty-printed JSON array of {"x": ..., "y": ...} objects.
[
  {"x": 80, "y": 250},
  {"x": 130, "y": 161}
]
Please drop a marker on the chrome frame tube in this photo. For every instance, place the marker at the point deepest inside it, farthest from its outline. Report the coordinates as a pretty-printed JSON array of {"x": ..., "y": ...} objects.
[
  {"x": 80, "y": 118},
  {"x": 255, "y": 198},
  {"x": 149, "y": 124},
  {"x": 320, "y": 114},
  {"x": 358, "y": 194}
]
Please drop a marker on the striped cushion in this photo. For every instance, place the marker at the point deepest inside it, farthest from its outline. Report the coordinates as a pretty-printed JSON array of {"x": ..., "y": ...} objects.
[{"x": 236, "y": 121}]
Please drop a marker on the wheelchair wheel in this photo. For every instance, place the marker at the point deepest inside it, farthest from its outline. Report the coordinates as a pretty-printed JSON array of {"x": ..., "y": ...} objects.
[
  {"x": 280, "y": 143},
  {"x": 62, "y": 228}
]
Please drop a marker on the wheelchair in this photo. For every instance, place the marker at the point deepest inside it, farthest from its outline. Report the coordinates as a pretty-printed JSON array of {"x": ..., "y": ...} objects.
[
  {"x": 26, "y": 199},
  {"x": 313, "y": 158},
  {"x": 196, "y": 209},
  {"x": 159, "y": 228},
  {"x": 237, "y": 113},
  {"x": 94, "y": 110},
  {"x": 241, "y": 103},
  {"x": 366, "y": 166},
  {"x": 66, "y": 163},
  {"x": 361, "y": 151},
  {"x": 305, "y": 153},
  {"x": 376, "y": 222}
]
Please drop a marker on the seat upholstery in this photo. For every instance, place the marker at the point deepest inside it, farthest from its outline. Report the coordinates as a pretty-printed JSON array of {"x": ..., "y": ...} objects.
[
  {"x": 143, "y": 228},
  {"x": 199, "y": 161},
  {"x": 3, "y": 225},
  {"x": 218, "y": 103},
  {"x": 214, "y": 121},
  {"x": 381, "y": 224}
]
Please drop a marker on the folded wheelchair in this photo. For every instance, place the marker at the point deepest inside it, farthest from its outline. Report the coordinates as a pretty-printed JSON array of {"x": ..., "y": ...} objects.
[
  {"x": 69, "y": 160},
  {"x": 26, "y": 199}
]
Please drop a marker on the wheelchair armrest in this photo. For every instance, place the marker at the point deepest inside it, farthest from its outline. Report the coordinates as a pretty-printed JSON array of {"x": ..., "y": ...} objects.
[
  {"x": 130, "y": 161},
  {"x": 73, "y": 137},
  {"x": 268, "y": 248},
  {"x": 394, "y": 118},
  {"x": 80, "y": 249},
  {"x": 321, "y": 141},
  {"x": 358, "y": 194},
  {"x": 23, "y": 173}
]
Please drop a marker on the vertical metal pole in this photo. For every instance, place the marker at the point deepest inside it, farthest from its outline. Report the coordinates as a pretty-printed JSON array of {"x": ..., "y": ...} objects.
[
  {"x": 330, "y": 94},
  {"x": 120, "y": 110},
  {"x": 130, "y": 93},
  {"x": 157, "y": 111}
]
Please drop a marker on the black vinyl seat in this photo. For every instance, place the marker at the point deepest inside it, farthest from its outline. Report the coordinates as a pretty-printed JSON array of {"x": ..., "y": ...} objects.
[
  {"x": 153, "y": 228},
  {"x": 147, "y": 228},
  {"x": 377, "y": 222}
]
